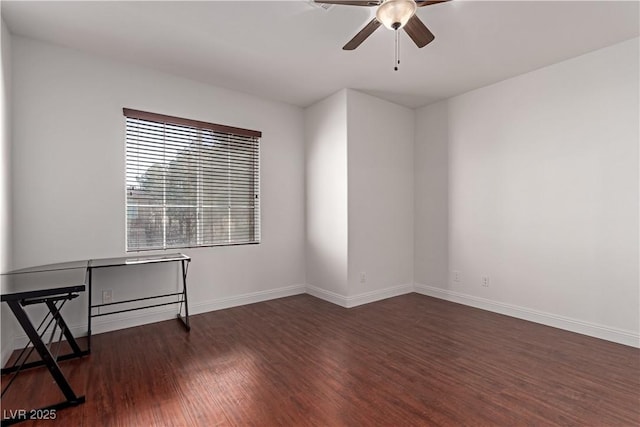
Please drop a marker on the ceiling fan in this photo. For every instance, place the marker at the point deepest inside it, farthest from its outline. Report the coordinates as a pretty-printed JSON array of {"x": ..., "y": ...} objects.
[{"x": 393, "y": 14}]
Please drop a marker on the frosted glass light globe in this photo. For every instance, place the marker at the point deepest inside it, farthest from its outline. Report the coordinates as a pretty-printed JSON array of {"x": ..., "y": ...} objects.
[{"x": 394, "y": 14}]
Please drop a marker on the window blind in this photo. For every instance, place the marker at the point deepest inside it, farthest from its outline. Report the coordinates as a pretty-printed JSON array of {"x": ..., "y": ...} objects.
[{"x": 190, "y": 183}]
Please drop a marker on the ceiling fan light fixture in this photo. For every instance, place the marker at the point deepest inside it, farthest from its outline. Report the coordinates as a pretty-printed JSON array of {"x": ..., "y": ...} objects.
[{"x": 394, "y": 14}]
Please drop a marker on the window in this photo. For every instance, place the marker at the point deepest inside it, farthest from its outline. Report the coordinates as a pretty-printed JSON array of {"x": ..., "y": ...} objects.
[{"x": 190, "y": 183}]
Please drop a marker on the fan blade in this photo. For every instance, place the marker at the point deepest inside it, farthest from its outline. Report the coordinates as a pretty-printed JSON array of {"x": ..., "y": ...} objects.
[
  {"x": 424, "y": 3},
  {"x": 351, "y": 2},
  {"x": 418, "y": 32},
  {"x": 362, "y": 35}
]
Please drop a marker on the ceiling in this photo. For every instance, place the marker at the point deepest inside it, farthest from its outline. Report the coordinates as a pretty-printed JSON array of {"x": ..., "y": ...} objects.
[{"x": 291, "y": 50}]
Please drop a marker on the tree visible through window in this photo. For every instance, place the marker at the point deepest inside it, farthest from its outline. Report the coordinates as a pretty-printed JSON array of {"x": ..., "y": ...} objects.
[{"x": 190, "y": 183}]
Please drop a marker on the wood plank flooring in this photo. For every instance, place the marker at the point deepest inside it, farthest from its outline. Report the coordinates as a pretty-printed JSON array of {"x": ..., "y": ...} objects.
[{"x": 300, "y": 361}]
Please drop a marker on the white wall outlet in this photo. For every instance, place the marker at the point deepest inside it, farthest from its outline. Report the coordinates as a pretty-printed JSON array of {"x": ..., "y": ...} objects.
[
  {"x": 363, "y": 277},
  {"x": 485, "y": 281},
  {"x": 107, "y": 296},
  {"x": 456, "y": 276}
]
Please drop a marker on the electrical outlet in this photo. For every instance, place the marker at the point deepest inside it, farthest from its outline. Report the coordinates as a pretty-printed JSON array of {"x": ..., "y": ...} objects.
[
  {"x": 107, "y": 296},
  {"x": 363, "y": 277},
  {"x": 456, "y": 276},
  {"x": 485, "y": 281}
]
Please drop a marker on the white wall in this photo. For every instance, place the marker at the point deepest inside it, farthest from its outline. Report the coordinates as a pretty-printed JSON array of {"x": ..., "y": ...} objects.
[
  {"x": 326, "y": 195},
  {"x": 69, "y": 187},
  {"x": 359, "y": 172},
  {"x": 431, "y": 197},
  {"x": 542, "y": 195},
  {"x": 380, "y": 175},
  {"x": 8, "y": 324}
]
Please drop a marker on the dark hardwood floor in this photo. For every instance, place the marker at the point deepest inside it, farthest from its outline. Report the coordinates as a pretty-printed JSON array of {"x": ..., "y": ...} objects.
[{"x": 300, "y": 361}]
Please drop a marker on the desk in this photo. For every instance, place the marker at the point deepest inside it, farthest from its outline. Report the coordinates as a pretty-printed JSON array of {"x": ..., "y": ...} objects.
[
  {"x": 41, "y": 285},
  {"x": 128, "y": 261}
]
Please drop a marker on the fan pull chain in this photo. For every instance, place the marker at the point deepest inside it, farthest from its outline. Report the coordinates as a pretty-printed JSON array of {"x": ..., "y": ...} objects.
[{"x": 397, "y": 60}]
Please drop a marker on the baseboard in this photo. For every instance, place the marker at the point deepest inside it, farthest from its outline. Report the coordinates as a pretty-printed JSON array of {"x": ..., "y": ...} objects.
[
  {"x": 141, "y": 318},
  {"x": 356, "y": 300},
  {"x": 244, "y": 299},
  {"x": 620, "y": 336},
  {"x": 368, "y": 297},
  {"x": 326, "y": 295},
  {"x": 107, "y": 324}
]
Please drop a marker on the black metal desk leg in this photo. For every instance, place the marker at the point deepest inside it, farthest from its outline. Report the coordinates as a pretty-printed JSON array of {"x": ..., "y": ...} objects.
[
  {"x": 90, "y": 305},
  {"x": 65, "y": 329},
  {"x": 44, "y": 353},
  {"x": 184, "y": 295}
]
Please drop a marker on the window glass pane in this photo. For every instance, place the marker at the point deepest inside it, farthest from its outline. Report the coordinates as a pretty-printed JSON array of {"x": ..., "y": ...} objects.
[
  {"x": 145, "y": 226},
  {"x": 215, "y": 224},
  {"x": 182, "y": 178},
  {"x": 241, "y": 224},
  {"x": 181, "y": 227}
]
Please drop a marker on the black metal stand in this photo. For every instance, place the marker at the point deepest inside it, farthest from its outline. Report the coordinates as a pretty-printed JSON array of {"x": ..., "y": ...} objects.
[{"x": 54, "y": 299}]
